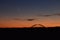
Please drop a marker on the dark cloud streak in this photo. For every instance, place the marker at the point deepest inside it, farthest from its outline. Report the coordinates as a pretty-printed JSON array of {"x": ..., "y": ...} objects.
[
  {"x": 30, "y": 19},
  {"x": 45, "y": 15},
  {"x": 57, "y": 14},
  {"x": 23, "y": 19},
  {"x": 16, "y": 19}
]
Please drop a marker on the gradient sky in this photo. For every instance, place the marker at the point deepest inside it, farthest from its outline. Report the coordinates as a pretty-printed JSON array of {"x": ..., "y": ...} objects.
[{"x": 21, "y": 13}]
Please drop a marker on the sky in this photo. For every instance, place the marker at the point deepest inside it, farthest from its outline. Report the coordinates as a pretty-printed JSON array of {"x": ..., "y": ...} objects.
[{"x": 25, "y": 13}]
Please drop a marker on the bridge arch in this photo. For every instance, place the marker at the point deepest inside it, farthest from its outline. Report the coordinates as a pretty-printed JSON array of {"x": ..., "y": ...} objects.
[{"x": 35, "y": 25}]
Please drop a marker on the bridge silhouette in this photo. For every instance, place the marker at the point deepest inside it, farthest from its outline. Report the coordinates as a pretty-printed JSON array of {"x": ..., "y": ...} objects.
[{"x": 37, "y": 26}]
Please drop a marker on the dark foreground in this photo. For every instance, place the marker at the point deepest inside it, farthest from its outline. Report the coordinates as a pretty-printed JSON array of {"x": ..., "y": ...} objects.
[{"x": 41, "y": 29}]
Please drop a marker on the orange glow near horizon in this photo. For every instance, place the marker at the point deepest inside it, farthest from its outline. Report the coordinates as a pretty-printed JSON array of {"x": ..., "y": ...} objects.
[{"x": 12, "y": 23}]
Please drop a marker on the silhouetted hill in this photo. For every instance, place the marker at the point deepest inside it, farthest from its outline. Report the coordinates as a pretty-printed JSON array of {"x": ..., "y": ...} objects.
[{"x": 31, "y": 29}]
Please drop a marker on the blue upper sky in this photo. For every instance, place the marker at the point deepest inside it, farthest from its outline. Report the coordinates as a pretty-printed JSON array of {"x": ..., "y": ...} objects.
[{"x": 23, "y": 8}]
